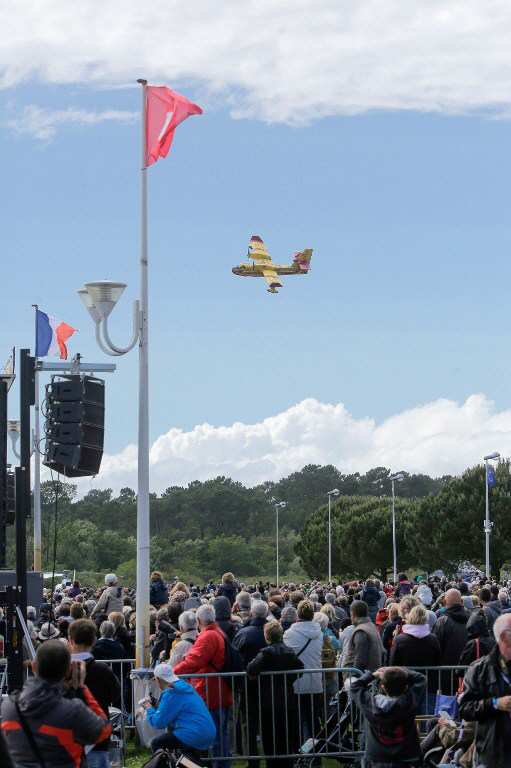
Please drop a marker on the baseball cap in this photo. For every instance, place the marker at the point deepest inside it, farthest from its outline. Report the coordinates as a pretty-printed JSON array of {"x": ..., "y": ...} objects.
[{"x": 165, "y": 672}]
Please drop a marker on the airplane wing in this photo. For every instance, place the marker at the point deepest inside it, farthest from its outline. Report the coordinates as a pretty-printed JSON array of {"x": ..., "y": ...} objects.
[
  {"x": 257, "y": 249},
  {"x": 272, "y": 280}
]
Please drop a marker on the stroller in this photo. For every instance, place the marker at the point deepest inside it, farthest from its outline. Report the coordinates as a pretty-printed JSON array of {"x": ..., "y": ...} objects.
[{"x": 340, "y": 733}]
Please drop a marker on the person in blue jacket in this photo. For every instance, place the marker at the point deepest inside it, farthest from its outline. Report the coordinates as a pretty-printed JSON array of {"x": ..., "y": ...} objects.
[{"x": 182, "y": 709}]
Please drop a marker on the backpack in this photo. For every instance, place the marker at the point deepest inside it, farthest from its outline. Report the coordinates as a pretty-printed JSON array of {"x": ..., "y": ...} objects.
[
  {"x": 159, "y": 759},
  {"x": 328, "y": 660},
  {"x": 232, "y": 660}
]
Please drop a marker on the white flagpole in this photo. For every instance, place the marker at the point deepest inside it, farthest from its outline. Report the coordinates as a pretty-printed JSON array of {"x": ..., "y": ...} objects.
[
  {"x": 37, "y": 470},
  {"x": 143, "y": 564}
]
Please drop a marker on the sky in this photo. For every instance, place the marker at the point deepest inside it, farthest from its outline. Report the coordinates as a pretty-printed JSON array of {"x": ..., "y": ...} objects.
[{"x": 377, "y": 134}]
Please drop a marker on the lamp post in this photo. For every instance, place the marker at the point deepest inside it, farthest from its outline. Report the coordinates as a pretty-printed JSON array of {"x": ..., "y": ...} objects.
[
  {"x": 278, "y": 505},
  {"x": 399, "y": 477},
  {"x": 335, "y": 492},
  {"x": 487, "y": 524},
  {"x": 13, "y": 430}
]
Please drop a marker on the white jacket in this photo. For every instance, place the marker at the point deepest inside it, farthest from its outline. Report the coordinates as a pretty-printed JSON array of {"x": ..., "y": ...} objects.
[{"x": 297, "y": 637}]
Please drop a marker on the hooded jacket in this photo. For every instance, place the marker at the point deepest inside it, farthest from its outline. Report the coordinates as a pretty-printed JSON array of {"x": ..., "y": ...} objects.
[
  {"x": 306, "y": 640},
  {"x": 425, "y": 594},
  {"x": 492, "y": 611},
  {"x": 403, "y": 588},
  {"x": 158, "y": 593},
  {"x": 183, "y": 709},
  {"x": 483, "y": 682},
  {"x": 477, "y": 629},
  {"x": 451, "y": 630},
  {"x": 250, "y": 639},
  {"x": 410, "y": 650},
  {"x": 391, "y": 735},
  {"x": 228, "y": 590},
  {"x": 61, "y": 721},
  {"x": 276, "y": 691},
  {"x": 222, "y": 608},
  {"x": 110, "y": 600},
  {"x": 206, "y": 657}
]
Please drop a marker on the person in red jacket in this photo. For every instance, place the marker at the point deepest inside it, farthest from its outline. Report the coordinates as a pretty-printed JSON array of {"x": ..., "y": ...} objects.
[{"x": 208, "y": 656}]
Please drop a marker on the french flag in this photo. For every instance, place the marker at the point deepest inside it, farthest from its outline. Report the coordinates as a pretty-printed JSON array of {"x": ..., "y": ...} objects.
[{"x": 51, "y": 336}]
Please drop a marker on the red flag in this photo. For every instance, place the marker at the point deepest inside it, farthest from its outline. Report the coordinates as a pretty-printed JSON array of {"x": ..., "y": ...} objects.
[{"x": 159, "y": 133}]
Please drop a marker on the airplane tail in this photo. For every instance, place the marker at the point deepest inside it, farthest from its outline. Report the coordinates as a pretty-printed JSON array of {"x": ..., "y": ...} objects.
[{"x": 302, "y": 260}]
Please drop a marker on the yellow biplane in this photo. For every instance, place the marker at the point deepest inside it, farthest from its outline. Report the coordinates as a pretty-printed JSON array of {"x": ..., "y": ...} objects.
[{"x": 262, "y": 265}]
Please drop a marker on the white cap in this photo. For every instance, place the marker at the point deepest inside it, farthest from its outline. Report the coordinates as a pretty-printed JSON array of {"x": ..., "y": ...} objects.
[
  {"x": 110, "y": 579},
  {"x": 165, "y": 672}
]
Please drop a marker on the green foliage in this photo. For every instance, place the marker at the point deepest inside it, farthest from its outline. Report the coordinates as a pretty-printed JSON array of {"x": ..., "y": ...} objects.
[{"x": 361, "y": 537}]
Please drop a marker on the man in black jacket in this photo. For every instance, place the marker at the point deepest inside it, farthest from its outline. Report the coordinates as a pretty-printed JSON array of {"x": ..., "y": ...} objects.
[
  {"x": 486, "y": 699},
  {"x": 99, "y": 679},
  {"x": 451, "y": 630},
  {"x": 391, "y": 734}
]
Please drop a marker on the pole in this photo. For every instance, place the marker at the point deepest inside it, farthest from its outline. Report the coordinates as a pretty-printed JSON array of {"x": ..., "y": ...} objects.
[
  {"x": 394, "y": 532},
  {"x": 3, "y": 470},
  {"x": 37, "y": 470},
  {"x": 487, "y": 521},
  {"x": 27, "y": 398},
  {"x": 277, "y": 511},
  {"x": 142, "y": 631},
  {"x": 329, "y": 538}
]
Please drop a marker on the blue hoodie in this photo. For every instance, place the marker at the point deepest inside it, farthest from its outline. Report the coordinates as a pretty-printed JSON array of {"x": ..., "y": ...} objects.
[{"x": 182, "y": 708}]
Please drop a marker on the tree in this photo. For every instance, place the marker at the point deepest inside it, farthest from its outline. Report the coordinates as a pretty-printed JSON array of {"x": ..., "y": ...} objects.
[{"x": 361, "y": 537}]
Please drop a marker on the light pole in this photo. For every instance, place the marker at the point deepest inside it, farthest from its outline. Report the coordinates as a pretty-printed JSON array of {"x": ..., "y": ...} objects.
[
  {"x": 335, "y": 492},
  {"x": 278, "y": 505},
  {"x": 13, "y": 430},
  {"x": 399, "y": 477},
  {"x": 487, "y": 524}
]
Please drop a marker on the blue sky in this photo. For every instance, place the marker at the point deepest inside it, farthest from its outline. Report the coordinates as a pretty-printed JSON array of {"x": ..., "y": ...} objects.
[{"x": 407, "y": 211}]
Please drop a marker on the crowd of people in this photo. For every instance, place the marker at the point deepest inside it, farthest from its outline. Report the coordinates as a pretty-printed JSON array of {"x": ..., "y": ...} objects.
[{"x": 364, "y": 637}]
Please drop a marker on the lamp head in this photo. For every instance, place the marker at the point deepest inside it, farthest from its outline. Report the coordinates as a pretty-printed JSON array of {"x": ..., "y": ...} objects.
[
  {"x": 399, "y": 476},
  {"x": 281, "y": 504},
  {"x": 13, "y": 429},
  {"x": 492, "y": 456},
  {"x": 89, "y": 305},
  {"x": 104, "y": 295},
  {"x": 335, "y": 492}
]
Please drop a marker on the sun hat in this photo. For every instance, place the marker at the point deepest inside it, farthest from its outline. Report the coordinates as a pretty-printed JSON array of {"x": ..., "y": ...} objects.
[
  {"x": 110, "y": 579},
  {"x": 48, "y": 632},
  {"x": 165, "y": 672}
]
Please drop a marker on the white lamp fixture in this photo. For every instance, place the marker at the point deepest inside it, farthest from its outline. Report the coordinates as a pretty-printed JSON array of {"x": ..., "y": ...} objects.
[{"x": 99, "y": 298}]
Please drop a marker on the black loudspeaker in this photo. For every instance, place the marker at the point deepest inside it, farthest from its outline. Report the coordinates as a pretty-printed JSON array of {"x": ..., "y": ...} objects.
[{"x": 75, "y": 421}]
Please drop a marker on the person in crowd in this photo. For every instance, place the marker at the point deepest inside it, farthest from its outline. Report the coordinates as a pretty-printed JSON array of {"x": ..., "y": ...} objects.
[
  {"x": 479, "y": 642},
  {"x": 403, "y": 586},
  {"x": 340, "y": 613},
  {"x": 44, "y": 615},
  {"x": 108, "y": 647},
  {"x": 121, "y": 633},
  {"x": 178, "y": 587},
  {"x": 185, "y": 638},
  {"x": 365, "y": 649},
  {"x": 371, "y": 596},
  {"x": 279, "y": 731},
  {"x": 99, "y": 679},
  {"x": 242, "y": 606},
  {"x": 486, "y": 699},
  {"x": 192, "y": 602},
  {"x": 392, "y": 739},
  {"x": 74, "y": 590},
  {"x": 228, "y": 588},
  {"x": 288, "y": 617},
  {"x": 451, "y": 630},
  {"x": 48, "y": 632},
  {"x": 306, "y": 639},
  {"x": 416, "y": 646},
  {"x": 58, "y": 711},
  {"x": 166, "y": 629},
  {"x": 425, "y": 594},
  {"x": 182, "y": 709},
  {"x": 222, "y": 608},
  {"x": 208, "y": 656},
  {"x": 111, "y": 597},
  {"x": 323, "y": 620},
  {"x": 158, "y": 592},
  {"x": 492, "y": 608}
]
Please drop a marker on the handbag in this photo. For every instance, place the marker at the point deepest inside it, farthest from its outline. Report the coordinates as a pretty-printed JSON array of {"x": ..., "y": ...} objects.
[{"x": 159, "y": 759}]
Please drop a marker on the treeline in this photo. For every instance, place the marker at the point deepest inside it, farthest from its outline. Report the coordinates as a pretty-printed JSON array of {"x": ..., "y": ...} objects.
[
  {"x": 204, "y": 529},
  {"x": 438, "y": 531}
]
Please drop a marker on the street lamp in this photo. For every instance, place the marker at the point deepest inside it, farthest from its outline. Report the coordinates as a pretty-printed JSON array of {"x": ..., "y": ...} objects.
[
  {"x": 13, "y": 430},
  {"x": 335, "y": 492},
  {"x": 99, "y": 299},
  {"x": 487, "y": 524},
  {"x": 399, "y": 477},
  {"x": 279, "y": 505}
]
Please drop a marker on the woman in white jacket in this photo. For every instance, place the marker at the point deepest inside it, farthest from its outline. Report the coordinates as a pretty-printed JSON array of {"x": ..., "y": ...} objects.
[{"x": 306, "y": 639}]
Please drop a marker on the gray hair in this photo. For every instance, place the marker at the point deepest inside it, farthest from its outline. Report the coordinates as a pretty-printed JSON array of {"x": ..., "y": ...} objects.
[
  {"x": 288, "y": 614},
  {"x": 259, "y": 609},
  {"x": 187, "y": 621},
  {"x": 107, "y": 629},
  {"x": 330, "y": 598},
  {"x": 206, "y": 614},
  {"x": 321, "y": 619},
  {"x": 502, "y": 623},
  {"x": 503, "y": 596},
  {"x": 243, "y": 600}
]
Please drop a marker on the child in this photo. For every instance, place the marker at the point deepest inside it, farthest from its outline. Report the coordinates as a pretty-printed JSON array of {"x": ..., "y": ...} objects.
[{"x": 391, "y": 734}]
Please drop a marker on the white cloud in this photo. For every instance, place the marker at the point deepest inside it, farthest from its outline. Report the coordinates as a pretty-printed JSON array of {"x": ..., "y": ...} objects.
[
  {"x": 443, "y": 437},
  {"x": 277, "y": 60},
  {"x": 43, "y": 123}
]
